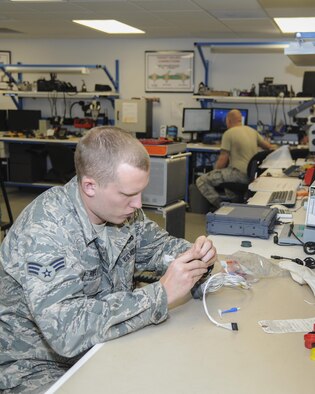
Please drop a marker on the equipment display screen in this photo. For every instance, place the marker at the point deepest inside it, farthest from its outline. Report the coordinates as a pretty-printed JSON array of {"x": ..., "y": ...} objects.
[
  {"x": 3, "y": 120},
  {"x": 23, "y": 120},
  {"x": 196, "y": 120},
  {"x": 218, "y": 120}
]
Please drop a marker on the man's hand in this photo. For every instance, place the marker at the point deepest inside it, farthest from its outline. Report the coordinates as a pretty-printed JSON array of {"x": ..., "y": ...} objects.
[{"x": 188, "y": 268}]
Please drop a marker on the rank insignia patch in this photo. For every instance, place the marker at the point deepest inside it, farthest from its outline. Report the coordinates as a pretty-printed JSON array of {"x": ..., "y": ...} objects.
[{"x": 46, "y": 272}]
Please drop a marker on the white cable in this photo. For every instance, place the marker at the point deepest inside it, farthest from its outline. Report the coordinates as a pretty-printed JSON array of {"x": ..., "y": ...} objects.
[{"x": 214, "y": 283}]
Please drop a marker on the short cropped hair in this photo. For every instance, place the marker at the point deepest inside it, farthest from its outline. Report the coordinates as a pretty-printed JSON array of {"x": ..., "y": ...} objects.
[
  {"x": 234, "y": 117},
  {"x": 99, "y": 153}
]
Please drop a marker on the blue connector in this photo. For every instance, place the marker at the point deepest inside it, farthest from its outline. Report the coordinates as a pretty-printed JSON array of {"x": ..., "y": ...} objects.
[{"x": 234, "y": 309}]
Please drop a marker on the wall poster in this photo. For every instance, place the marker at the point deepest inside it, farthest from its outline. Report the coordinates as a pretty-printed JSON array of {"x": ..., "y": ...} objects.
[
  {"x": 5, "y": 57},
  {"x": 169, "y": 71}
]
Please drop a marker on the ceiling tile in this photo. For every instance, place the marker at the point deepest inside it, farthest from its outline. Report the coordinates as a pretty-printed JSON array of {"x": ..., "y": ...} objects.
[
  {"x": 254, "y": 25},
  {"x": 286, "y": 3},
  {"x": 291, "y": 12},
  {"x": 159, "y": 18},
  {"x": 228, "y": 5},
  {"x": 166, "y": 5}
]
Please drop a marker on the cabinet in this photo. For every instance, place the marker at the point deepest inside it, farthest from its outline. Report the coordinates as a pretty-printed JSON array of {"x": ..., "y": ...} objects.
[
  {"x": 28, "y": 164},
  {"x": 134, "y": 115}
]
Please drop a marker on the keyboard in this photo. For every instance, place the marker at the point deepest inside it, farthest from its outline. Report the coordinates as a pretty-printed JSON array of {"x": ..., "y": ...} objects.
[{"x": 283, "y": 197}]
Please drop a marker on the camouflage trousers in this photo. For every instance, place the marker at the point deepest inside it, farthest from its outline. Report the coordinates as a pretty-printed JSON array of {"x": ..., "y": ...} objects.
[
  {"x": 38, "y": 381},
  {"x": 208, "y": 182}
]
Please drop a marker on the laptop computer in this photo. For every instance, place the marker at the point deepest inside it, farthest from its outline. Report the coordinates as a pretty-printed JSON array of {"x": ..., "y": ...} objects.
[{"x": 282, "y": 197}]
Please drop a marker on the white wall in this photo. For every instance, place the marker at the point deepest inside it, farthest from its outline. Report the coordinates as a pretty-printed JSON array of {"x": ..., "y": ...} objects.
[{"x": 227, "y": 71}]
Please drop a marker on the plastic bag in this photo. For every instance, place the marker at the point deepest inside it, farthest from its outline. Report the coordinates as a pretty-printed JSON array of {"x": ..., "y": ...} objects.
[{"x": 251, "y": 266}]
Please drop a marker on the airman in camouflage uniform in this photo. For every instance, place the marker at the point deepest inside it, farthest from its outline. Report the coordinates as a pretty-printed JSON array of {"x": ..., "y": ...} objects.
[
  {"x": 239, "y": 144},
  {"x": 66, "y": 278}
]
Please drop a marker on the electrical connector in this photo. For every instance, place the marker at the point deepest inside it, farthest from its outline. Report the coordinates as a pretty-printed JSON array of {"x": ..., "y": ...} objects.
[
  {"x": 214, "y": 283},
  {"x": 234, "y": 309}
]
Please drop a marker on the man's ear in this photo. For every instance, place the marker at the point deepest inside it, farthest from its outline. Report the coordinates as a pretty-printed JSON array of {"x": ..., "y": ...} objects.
[{"x": 89, "y": 186}]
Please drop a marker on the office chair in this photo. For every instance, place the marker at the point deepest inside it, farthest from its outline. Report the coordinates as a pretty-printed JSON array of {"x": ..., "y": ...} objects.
[
  {"x": 199, "y": 204},
  {"x": 241, "y": 189},
  {"x": 62, "y": 161},
  {"x": 253, "y": 170},
  {"x": 5, "y": 225}
]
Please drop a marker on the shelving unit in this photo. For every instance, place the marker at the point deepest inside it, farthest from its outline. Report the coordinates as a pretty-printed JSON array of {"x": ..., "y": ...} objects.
[
  {"x": 17, "y": 96},
  {"x": 15, "y": 74},
  {"x": 79, "y": 95},
  {"x": 244, "y": 47},
  {"x": 206, "y": 100},
  {"x": 252, "y": 100}
]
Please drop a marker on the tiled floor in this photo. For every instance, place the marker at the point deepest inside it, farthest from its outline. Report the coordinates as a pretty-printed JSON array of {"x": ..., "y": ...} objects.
[{"x": 195, "y": 223}]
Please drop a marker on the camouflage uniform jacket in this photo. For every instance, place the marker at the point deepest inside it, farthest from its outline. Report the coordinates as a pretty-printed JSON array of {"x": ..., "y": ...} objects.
[{"x": 63, "y": 288}]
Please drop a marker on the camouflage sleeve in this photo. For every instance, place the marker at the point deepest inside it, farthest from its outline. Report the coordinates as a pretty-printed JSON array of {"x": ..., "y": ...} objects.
[
  {"x": 155, "y": 247},
  {"x": 64, "y": 304}
]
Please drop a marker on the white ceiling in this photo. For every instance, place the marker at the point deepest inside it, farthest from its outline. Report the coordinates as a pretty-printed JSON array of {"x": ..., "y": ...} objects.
[{"x": 209, "y": 19}]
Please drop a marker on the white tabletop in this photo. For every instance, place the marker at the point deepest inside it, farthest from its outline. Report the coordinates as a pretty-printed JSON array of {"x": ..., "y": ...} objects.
[
  {"x": 203, "y": 147},
  {"x": 31, "y": 140},
  {"x": 189, "y": 354}
]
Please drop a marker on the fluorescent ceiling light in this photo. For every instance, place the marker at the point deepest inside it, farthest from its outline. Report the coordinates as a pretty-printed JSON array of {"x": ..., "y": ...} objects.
[
  {"x": 110, "y": 26},
  {"x": 46, "y": 69},
  {"x": 296, "y": 25}
]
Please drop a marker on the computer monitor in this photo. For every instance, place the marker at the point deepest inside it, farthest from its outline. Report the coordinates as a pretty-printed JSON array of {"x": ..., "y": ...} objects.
[
  {"x": 218, "y": 121},
  {"x": 3, "y": 119},
  {"x": 196, "y": 121},
  {"x": 309, "y": 84},
  {"x": 23, "y": 119}
]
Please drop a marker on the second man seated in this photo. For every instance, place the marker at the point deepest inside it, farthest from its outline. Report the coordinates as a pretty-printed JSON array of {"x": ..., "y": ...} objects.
[{"x": 239, "y": 144}]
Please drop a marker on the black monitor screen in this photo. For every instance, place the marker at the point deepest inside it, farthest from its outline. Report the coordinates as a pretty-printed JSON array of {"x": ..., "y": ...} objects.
[
  {"x": 219, "y": 118},
  {"x": 3, "y": 120},
  {"x": 309, "y": 84},
  {"x": 23, "y": 120},
  {"x": 196, "y": 120}
]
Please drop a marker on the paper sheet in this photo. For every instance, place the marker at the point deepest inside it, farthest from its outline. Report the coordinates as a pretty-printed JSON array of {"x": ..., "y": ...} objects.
[
  {"x": 270, "y": 184},
  {"x": 280, "y": 158},
  {"x": 284, "y": 326},
  {"x": 259, "y": 198}
]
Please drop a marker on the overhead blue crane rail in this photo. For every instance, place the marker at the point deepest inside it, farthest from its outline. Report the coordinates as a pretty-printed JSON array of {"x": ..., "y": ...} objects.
[
  {"x": 206, "y": 63},
  {"x": 299, "y": 37}
]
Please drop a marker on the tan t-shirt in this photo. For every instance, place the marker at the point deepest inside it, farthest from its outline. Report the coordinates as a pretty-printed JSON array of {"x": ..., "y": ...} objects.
[{"x": 242, "y": 143}]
